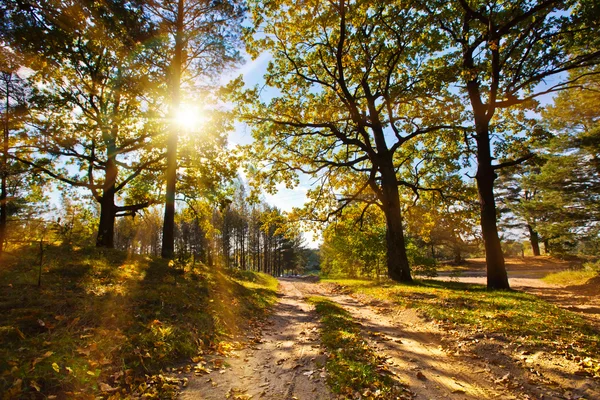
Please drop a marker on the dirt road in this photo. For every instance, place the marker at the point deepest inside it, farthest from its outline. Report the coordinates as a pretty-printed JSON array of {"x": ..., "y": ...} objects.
[{"x": 286, "y": 362}]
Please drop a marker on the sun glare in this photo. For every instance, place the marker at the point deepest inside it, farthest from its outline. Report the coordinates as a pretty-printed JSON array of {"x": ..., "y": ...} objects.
[{"x": 188, "y": 116}]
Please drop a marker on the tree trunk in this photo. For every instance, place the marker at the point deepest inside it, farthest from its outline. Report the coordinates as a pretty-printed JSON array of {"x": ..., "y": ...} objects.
[
  {"x": 397, "y": 260},
  {"x": 457, "y": 256},
  {"x": 534, "y": 238},
  {"x": 106, "y": 225},
  {"x": 108, "y": 210},
  {"x": 546, "y": 246},
  {"x": 168, "y": 239},
  {"x": 496, "y": 270},
  {"x": 4, "y": 172}
]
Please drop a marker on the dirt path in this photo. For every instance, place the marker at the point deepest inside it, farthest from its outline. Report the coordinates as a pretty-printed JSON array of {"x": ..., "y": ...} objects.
[
  {"x": 415, "y": 354},
  {"x": 283, "y": 363},
  {"x": 286, "y": 363}
]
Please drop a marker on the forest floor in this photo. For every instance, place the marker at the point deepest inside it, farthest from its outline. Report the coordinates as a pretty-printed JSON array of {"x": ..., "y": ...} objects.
[
  {"x": 431, "y": 358},
  {"x": 105, "y": 324}
]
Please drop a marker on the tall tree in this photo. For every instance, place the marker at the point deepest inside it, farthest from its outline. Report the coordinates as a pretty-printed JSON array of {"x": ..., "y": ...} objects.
[
  {"x": 13, "y": 105},
  {"x": 353, "y": 89},
  {"x": 91, "y": 121},
  {"x": 501, "y": 52},
  {"x": 201, "y": 38},
  {"x": 569, "y": 180}
]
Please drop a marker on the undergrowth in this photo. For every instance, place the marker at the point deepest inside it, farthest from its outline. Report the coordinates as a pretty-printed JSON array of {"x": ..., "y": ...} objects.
[
  {"x": 103, "y": 321},
  {"x": 353, "y": 368}
]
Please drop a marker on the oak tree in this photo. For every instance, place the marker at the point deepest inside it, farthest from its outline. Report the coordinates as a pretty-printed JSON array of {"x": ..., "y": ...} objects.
[{"x": 352, "y": 92}]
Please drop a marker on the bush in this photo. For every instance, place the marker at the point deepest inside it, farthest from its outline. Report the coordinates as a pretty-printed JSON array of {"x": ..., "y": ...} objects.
[{"x": 420, "y": 263}]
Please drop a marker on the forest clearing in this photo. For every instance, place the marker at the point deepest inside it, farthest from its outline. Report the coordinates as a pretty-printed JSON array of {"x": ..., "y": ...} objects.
[{"x": 299, "y": 199}]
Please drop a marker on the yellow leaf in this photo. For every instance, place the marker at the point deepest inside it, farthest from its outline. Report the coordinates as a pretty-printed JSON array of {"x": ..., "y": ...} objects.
[
  {"x": 91, "y": 373},
  {"x": 55, "y": 367}
]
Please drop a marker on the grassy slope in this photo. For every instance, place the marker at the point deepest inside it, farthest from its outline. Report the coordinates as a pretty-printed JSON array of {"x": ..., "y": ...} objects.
[
  {"x": 570, "y": 277},
  {"x": 523, "y": 317},
  {"x": 102, "y": 320}
]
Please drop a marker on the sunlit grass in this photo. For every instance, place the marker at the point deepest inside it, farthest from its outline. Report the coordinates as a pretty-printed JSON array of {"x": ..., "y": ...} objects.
[
  {"x": 352, "y": 366},
  {"x": 103, "y": 319},
  {"x": 570, "y": 277},
  {"x": 524, "y": 318}
]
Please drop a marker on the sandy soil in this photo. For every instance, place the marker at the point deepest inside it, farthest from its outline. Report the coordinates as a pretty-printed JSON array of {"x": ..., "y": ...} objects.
[
  {"x": 414, "y": 351},
  {"x": 285, "y": 361}
]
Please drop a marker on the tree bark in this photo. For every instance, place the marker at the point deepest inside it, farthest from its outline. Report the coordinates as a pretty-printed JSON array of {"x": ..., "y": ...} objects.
[
  {"x": 397, "y": 260},
  {"x": 4, "y": 172},
  {"x": 457, "y": 256},
  {"x": 108, "y": 210},
  {"x": 497, "y": 277},
  {"x": 534, "y": 238},
  {"x": 106, "y": 225},
  {"x": 168, "y": 239}
]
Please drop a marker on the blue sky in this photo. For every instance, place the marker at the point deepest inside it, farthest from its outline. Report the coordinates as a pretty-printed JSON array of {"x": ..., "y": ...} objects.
[{"x": 285, "y": 199}]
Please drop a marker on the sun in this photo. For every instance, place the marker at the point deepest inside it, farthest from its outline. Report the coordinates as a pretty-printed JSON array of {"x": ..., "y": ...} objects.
[{"x": 188, "y": 117}]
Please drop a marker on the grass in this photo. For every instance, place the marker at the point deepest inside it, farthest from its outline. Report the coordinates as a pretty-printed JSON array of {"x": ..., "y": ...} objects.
[
  {"x": 352, "y": 366},
  {"x": 108, "y": 323},
  {"x": 524, "y": 318},
  {"x": 571, "y": 277}
]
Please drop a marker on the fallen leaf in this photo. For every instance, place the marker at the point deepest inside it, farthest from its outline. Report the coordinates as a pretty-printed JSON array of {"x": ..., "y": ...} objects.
[
  {"x": 55, "y": 367},
  {"x": 105, "y": 387}
]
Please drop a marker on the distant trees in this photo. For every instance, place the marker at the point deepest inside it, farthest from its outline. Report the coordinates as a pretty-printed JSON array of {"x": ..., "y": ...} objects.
[
  {"x": 556, "y": 193},
  {"x": 236, "y": 234}
]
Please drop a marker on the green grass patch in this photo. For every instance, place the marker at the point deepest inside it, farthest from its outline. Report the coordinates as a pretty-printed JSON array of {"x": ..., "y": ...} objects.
[
  {"x": 103, "y": 319},
  {"x": 352, "y": 366},
  {"x": 571, "y": 277},
  {"x": 524, "y": 318}
]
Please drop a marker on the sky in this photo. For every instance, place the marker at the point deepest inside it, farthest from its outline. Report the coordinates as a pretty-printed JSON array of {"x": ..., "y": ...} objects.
[{"x": 285, "y": 199}]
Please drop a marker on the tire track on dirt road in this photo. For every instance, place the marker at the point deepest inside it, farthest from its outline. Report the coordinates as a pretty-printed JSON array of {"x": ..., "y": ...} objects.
[{"x": 414, "y": 354}]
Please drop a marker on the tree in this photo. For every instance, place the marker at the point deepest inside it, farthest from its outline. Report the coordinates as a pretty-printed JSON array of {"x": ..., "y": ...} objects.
[
  {"x": 90, "y": 122},
  {"x": 446, "y": 225},
  {"x": 569, "y": 180},
  {"x": 519, "y": 195},
  {"x": 353, "y": 87},
  {"x": 200, "y": 38},
  {"x": 354, "y": 244},
  {"x": 501, "y": 52},
  {"x": 12, "y": 96}
]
